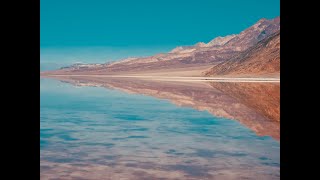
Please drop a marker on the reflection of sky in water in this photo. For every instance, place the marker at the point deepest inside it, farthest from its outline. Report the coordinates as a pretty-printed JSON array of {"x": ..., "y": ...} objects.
[{"x": 98, "y": 126}]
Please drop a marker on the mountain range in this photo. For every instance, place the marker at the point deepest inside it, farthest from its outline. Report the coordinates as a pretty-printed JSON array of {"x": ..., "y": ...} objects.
[{"x": 256, "y": 50}]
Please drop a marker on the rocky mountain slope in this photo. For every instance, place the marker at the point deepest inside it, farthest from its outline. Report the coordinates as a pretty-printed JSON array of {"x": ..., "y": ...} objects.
[
  {"x": 262, "y": 58},
  {"x": 214, "y": 52}
]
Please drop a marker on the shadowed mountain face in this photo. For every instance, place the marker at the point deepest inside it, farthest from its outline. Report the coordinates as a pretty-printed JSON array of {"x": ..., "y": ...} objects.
[
  {"x": 261, "y": 58},
  {"x": 255, "y": 105},
  {"x": 216, "y": 51}
]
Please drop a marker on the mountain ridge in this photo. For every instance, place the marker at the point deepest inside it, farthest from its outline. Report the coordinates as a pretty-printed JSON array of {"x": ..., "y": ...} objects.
[{"x": 218, "y": 50}]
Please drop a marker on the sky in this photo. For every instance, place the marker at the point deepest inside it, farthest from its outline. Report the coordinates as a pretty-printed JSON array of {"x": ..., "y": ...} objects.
[{"x": 143, "y": 26}]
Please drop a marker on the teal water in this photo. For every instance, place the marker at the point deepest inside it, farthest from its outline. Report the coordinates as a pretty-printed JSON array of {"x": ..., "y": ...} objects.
[{"x": 99, "y": 133}]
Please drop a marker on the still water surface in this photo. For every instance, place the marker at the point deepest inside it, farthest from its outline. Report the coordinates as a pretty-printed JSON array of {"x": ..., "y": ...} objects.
[{"x": 107, "y": 133}]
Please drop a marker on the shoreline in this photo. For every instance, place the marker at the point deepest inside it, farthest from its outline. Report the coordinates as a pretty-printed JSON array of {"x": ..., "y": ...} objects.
[{"x": 178, "y": 78}]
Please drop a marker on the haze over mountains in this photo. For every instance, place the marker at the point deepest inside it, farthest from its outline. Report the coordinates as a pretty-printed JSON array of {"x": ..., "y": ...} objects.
[{"x": 256, "y": 50}]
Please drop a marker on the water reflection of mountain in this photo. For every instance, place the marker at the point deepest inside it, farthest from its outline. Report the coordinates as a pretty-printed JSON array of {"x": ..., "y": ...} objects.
[{"x": 255, "y": 105}]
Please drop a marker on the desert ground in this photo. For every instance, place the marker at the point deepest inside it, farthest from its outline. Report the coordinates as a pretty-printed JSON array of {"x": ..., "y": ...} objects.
[{"x": 190, "y": 74}]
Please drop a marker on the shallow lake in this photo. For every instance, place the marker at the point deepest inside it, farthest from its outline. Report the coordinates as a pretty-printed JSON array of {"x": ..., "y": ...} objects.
[{"x": 122, "y": 129}]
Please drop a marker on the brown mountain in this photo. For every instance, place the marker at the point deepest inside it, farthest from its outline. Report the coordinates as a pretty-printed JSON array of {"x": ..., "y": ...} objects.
[
  {"x": 263, "y": 58},
  {"x": 208, "y": 54}
]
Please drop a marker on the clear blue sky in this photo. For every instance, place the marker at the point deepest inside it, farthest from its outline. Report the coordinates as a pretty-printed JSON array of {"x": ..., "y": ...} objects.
[{"x": 142, "y": 23}]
